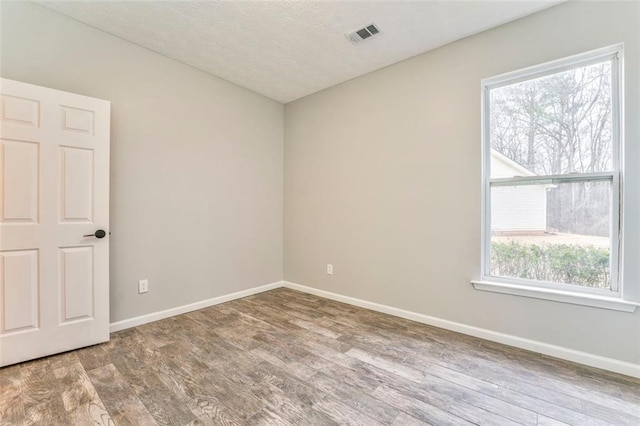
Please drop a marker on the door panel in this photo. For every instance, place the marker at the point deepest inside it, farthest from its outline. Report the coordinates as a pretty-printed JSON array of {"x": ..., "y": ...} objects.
[
  {"x": 20, "y": 110},
  {"x": 76, "y": 282},
  {"x": 19, "y": 286},
  {"x": 20, "y": 186},
  {"x": 54, "y": 166},
  {"x": 77, "y": 120},
  {"x": 77, "y": 184}
]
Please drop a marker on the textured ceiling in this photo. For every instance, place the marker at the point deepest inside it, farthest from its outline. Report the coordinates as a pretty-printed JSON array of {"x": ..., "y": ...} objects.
[{"x": 289, "y": 49}]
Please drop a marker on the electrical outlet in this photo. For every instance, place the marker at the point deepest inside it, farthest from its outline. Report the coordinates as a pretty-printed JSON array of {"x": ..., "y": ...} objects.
[
  {"x": 329, "y": 269},
  {"x": 143, "y": 286}
]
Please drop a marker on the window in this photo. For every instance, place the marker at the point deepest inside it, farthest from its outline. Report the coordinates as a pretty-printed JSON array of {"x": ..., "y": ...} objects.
[{"x": 552, "y": 178}]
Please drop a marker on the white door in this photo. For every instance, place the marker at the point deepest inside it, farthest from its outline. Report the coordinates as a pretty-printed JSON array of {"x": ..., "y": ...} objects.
[{"x": 54, "y": 197}]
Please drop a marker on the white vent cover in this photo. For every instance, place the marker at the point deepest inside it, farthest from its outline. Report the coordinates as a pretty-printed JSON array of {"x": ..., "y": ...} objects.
[{"x": 364, "y": 33}]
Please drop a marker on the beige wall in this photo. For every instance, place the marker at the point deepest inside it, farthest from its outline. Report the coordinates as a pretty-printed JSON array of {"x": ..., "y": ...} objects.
[
  {"x": 196, "y": 162},
  {"x": 382, "y": 179}
]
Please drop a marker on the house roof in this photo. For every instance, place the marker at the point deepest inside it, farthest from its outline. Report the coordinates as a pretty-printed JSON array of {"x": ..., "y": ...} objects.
[{"x": 520, "y": 169}]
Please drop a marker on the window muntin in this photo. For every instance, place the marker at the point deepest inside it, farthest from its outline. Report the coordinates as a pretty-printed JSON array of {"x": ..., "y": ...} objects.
[{"x": 551, "y": 171}]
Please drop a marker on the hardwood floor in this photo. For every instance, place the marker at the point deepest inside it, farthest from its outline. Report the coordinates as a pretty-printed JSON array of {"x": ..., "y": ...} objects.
[{"x": 289, "y": 358}]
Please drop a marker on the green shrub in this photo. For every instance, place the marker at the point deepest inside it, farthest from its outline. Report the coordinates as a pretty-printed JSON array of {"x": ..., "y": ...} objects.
[{"x": 562, "y": 263}]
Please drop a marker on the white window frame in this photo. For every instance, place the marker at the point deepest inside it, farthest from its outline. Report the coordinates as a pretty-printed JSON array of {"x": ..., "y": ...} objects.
[{"x": 570, "y": 293}]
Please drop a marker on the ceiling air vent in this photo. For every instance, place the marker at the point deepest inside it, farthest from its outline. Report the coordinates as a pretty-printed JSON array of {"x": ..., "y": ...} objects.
[{"x": 363, "y": 34}]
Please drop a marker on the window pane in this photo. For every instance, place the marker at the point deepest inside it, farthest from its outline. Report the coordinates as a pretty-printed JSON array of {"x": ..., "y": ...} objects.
[
  {"x": 558, "y": 233},
  {"x": 552, "y": 125}
]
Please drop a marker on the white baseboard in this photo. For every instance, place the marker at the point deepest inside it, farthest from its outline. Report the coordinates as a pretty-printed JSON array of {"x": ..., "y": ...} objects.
[
  {"x": 585, "y": 358},
  {"x": 155, "y": 316}
]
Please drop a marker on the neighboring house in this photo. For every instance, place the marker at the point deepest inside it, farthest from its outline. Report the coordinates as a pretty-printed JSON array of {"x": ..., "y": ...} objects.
[{"x": 521, "y": 209}]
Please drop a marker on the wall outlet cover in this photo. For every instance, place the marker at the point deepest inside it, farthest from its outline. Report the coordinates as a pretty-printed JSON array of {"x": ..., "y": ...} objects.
[{"x": 143, "y": 286}]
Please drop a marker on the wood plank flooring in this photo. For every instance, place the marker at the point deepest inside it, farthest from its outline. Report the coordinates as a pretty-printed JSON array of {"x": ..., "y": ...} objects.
[{"x": 289, "y": 358}]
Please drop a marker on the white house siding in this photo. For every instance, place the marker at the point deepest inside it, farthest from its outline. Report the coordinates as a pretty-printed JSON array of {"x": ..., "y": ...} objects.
[
  {"x": 513, "y": 209},
  {"x": 522, "y": 208}
]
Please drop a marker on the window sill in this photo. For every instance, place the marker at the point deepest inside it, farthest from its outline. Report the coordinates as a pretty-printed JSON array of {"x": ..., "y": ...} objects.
[{"x": 612, "y": 303}]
